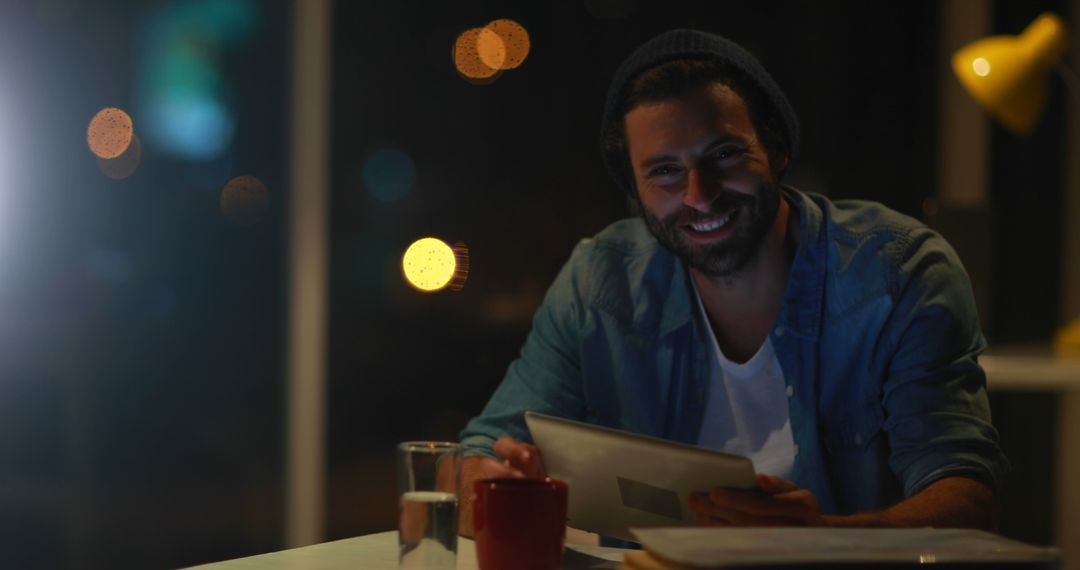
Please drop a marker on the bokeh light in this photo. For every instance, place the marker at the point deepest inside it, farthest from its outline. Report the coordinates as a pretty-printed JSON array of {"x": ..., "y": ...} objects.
[
  {"x": 429, "y": 264},
  {"x": 191, "y": 124},
  {"x": 183, "y": 92},
  {"x": 109, "y": 133},
  {"x": 511, "y": 49},
  {"x": 491, "y": 49},
  {"x": 467, "y": 58},
  {"x": 482, "y": 54},
  {"x": 981, "y": 66},
  {"x": 244, "y": 200},
  {"x": 389, "y": 174},
  {"x": 124, "y": 165}
]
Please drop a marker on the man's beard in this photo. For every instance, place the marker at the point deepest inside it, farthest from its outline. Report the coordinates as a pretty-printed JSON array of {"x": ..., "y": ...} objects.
[{"x": 754, "y": 217}]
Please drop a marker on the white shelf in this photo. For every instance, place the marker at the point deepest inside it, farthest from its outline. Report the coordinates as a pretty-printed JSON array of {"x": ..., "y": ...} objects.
[{"x": 1031, "y": 373}]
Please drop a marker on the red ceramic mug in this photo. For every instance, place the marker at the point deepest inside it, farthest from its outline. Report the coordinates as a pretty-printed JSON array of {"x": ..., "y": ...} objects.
[{"x": 519, "y": 523}]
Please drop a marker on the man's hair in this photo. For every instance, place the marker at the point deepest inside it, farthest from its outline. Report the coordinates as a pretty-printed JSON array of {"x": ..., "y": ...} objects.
[{"x": 676, "y": 78}]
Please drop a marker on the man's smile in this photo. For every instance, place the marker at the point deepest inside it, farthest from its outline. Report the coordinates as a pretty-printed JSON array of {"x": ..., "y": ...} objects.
[{"x": 713, "y": 227}]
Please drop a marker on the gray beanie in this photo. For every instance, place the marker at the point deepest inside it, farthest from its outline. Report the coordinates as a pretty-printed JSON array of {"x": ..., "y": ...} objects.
[{"x": 687, "y": 44}]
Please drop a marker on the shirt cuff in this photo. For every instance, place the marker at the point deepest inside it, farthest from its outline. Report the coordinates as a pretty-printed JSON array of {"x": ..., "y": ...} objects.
[
  {"x": 479, "y": 446},
  {"x": 975, "y": 467}
]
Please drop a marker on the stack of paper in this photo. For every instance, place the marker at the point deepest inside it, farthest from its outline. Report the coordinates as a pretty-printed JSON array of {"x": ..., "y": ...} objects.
[{"x": 691, "y": 548}]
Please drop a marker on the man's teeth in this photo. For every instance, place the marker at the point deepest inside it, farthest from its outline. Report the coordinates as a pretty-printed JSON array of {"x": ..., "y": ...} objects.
[{"x": 712, "y": 224}]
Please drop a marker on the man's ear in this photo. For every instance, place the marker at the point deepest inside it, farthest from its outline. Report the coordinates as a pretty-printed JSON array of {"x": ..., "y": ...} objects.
[
  {"x": 783, "y": 163},
  {"x": 781, "y": 168}
]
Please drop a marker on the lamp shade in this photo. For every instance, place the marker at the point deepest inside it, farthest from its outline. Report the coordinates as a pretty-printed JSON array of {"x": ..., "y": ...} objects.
[{"x": 1009, "y": 75}]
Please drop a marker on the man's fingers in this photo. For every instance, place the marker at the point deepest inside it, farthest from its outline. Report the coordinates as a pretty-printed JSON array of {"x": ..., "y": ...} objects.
[
  {"x": 492, "y": 469},
  {"x": 756, "y": 504},
  {"x": 707, "y": 513},
  {"x": 521, "y": 456},
  {"x": 772, "y": 484},
  {"x": 514, "y": 451},
  {"x": 798, "y": 496}
]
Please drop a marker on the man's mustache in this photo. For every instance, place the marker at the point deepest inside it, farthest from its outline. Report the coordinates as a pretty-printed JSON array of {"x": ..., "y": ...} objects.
[{"x": 724, "y": 202}]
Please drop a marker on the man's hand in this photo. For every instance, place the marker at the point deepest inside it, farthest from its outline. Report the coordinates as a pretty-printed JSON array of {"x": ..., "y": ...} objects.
[
  {"x": 776, "y": 502},
  {"x": 952, "y": 502},
  {"x": 519, "y": 460},
  {"x": 522, "y": 459}
]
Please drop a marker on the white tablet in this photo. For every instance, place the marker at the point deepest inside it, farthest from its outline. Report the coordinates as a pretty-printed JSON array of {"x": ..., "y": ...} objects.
[{"x": 619, "y": 479}]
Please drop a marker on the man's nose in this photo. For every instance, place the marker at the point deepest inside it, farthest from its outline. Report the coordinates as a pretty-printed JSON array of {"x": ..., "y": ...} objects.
[{"x": 700, "y": 190}]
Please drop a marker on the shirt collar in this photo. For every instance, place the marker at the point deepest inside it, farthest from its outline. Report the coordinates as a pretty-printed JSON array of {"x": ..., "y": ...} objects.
[
  {"x": 800, "y": 311},
  {"x": 676, "y": 313}
]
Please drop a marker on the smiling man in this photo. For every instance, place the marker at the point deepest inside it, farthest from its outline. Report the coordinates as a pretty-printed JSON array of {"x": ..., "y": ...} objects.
[{"x": 833, "y": 343}]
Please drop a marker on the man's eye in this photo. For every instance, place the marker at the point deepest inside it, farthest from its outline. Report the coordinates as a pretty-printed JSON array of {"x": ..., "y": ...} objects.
[
  {"x": 663, "y": 170},
  {"x": 728, "y": 152}
]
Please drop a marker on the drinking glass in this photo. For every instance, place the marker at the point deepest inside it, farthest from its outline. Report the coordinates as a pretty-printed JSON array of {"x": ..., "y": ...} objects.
[{"x": 428, "y": 476}]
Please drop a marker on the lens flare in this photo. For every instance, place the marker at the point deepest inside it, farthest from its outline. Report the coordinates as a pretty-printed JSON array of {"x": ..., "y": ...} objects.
[
  {"x": 109, "y": 133},
  {"x": 429, "y": 264},
  {"x": 511, "y": 49},
  {"x": 244, "y": 200},
  {"x": 124, "y": 165}
]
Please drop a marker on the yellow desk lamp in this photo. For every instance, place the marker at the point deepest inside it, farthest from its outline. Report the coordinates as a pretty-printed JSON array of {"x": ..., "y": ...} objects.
[{"x": 1009, "y": 77}]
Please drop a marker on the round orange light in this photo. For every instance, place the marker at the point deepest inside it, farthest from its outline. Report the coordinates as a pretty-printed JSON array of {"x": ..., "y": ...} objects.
[
  {"x": 467, "y": 58},
  {"x": 244, "y": 200},
  {"x": 513, "y": 45},
  {"x": 109, "y": 133}
]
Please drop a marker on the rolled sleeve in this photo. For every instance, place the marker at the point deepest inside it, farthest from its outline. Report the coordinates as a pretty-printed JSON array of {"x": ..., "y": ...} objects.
[{"x": 937, "y": 410}]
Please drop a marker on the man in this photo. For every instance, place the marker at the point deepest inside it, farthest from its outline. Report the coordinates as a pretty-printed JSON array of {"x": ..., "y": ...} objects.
[{"x": 834, "y": 343}]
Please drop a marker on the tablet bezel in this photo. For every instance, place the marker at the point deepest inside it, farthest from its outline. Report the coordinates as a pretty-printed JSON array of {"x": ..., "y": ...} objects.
[{"x": 609, "y": 493}]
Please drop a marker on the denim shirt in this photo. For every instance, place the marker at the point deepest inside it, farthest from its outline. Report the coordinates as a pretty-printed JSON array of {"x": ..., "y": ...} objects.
[{"x": 877, "y": 336}]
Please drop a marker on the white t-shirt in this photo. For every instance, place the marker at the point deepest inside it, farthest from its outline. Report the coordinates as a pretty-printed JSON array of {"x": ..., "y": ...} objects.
[{"x": 747, "y": 411}]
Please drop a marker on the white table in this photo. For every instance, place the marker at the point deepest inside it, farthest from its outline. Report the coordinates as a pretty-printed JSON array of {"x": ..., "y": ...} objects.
[
  {"x": 1019, "y": 370},
  {"x": 380, "y": 552}
]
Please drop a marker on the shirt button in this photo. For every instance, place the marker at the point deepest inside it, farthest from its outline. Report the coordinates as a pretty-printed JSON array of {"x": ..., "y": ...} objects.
[
  {"x": 790, "y": 391},
  {"x": 858, "y": 439},
  {"x": 780, "y": 331}
]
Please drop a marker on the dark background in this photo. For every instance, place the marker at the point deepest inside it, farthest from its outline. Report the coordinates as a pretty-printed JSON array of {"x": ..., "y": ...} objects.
[{"x": 142, "y": 334}]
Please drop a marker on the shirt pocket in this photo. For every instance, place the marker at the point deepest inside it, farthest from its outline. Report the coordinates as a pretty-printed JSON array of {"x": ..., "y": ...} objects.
[{"x": 854, "y": 431}]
